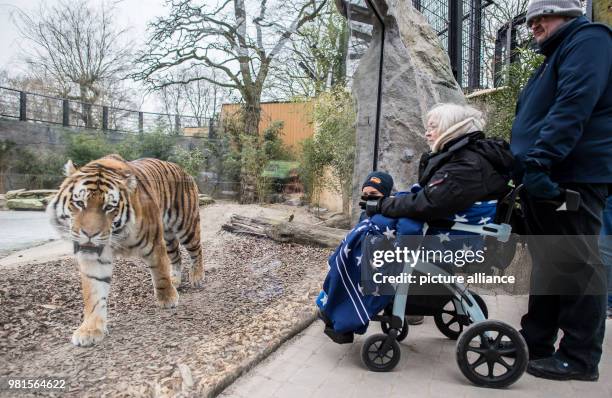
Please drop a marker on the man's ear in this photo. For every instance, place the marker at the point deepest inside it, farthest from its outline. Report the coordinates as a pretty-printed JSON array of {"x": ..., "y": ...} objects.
[{"x": 69, "y": 168}]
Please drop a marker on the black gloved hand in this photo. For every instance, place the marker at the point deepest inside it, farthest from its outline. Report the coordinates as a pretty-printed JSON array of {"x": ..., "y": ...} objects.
[
  {"x": 538, "y": 184},
  {"x": 372, "y": 206}
]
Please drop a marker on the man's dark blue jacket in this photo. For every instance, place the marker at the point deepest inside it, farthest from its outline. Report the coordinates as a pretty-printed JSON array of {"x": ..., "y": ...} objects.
[{"x": 563, "y": 119}]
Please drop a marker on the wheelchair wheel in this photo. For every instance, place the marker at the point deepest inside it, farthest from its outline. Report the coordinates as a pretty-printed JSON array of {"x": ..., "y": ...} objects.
[
  {"x": 482, "y": 354},
  {"x": 403, "y": 333},
  {"x": 450, "y": 323},
  {"x": 376, "y": 360}
]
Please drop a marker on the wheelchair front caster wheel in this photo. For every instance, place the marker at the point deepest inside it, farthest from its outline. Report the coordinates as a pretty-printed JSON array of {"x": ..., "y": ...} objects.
[
  {"x": 403, "y": 333},
  {"x": 492, "y": 354},
  {"x": 378, "y": 358}
]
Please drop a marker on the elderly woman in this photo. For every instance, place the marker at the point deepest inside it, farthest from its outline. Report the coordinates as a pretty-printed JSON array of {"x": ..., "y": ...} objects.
[{"x": 462, "y": 167}]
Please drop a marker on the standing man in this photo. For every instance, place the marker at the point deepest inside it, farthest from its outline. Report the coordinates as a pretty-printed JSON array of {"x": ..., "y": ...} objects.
[{"x": 562, "y": 139}]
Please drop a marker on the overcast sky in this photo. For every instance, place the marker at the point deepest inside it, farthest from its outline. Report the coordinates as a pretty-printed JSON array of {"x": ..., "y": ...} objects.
[{"x": 130, "y": 14}]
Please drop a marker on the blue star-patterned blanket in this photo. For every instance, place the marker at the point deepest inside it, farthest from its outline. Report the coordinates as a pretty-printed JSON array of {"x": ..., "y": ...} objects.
[{"x": 343, "y": 299}]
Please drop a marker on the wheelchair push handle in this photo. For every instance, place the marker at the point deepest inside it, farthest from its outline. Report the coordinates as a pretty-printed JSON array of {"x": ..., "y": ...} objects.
[{"x": 569, "y": 200}]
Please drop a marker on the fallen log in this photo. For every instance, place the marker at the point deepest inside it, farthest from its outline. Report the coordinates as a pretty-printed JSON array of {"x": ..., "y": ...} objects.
[{"x": 284, "y": 231}]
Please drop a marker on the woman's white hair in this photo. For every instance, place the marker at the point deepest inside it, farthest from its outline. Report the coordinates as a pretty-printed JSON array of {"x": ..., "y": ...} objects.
[
  {"x": 447, "y": 115},
  {"x": 453, "y": 121}
]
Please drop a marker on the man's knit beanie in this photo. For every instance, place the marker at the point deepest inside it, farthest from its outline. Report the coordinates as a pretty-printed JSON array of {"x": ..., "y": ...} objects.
[{"x": 566, "y": 8}]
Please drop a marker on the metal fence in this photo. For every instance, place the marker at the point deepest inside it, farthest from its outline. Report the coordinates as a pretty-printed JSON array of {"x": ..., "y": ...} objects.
[
  {"x": 510, "y": 36},
  {"x": 459, "y": 25},
  {"x": 26, "y": 106}
]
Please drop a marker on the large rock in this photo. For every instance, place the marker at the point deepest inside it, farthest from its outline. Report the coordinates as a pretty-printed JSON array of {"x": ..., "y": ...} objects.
[
  {"x": 206, "y": 200},
  {"x": 3, "y": 202},
  {"x": 416, "y": 75},
  {"x": 13, "y": 194},
  {"x": 25, "y": 204},
  {"x": 602, "y": 11},
  {"x": 32, "y": 194}
]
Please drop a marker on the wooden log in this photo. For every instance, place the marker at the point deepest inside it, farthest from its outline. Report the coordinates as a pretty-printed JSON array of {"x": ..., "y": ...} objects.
[{"x": 284, "y": 231}]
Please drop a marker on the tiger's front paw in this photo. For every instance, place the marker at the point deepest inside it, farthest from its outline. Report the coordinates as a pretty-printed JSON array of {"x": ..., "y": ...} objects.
[
  {"x": 167, "y": 298},
  {"x": 87, "y": 336},
  {"x": 196, "y": 278},
  {"x": 176, "y": 279}
]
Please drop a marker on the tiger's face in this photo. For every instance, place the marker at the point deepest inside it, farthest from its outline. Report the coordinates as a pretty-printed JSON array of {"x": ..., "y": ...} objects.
[{"x": 92, "y": 207}]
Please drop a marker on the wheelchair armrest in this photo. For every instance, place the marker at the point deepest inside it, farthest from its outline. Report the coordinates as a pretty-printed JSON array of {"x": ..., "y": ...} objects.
[{"x": 499, "y": 231}]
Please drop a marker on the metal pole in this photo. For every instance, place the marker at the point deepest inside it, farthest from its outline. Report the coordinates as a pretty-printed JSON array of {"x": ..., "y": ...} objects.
[
  {"x": 140, "y": 122},
  {"x": 65, "y": 113},
  {"x": 497, "y": 61},
  {"x": 105, "y": 118},
  {"x": 23, "y": 106},
  {"x": 509, "y": 44},
  {"x": 379, "y": 94},
  {"x": 455, "y": 14},
  {"x": 177, "y": 123},
  {"x": 475, "y": 44},
  {"x": 211, "y": 132}
]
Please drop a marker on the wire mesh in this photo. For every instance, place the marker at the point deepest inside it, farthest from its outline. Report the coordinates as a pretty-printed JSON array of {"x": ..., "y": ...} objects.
[
  {"x": 9, "y": 103},
  {"x": 471, "y": 69}
]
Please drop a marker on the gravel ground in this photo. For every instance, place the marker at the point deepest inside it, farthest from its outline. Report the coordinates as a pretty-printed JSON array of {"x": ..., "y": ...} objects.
[{"x": 254, "y": 297}]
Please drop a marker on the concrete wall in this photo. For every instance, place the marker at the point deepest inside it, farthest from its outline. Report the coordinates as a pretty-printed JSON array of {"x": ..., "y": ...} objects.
[
  {"x": 330, "y": 198},
  {"x": 44, "y": 138},
  {"x": 51, "y": 137}
]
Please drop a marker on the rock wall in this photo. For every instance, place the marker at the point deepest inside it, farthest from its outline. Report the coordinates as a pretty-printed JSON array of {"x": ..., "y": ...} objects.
[
  {"x": 416, "y": 75},
  {"x": 602, "y": 11}
]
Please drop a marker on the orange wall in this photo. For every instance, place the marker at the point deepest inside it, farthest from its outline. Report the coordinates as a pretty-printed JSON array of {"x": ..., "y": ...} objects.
[{"x": 296, "y": 115}]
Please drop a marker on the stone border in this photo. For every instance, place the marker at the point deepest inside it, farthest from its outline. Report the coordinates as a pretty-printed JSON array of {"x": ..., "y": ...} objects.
[{"x": 248, "y": 365}]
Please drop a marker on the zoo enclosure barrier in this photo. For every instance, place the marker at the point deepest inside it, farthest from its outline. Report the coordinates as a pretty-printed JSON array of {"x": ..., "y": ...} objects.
[
  {"x": 459, "y": 26},
  {"x": 42, "y": 108}
]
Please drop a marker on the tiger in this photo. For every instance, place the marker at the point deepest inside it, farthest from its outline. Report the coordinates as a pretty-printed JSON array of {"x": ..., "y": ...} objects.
[{"x": 142, "y": 208}]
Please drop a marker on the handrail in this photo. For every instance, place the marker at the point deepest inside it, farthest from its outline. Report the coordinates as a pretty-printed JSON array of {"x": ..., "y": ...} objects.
[
  {"x": 96, "y": 116},
  {"x": 92, "y": 104}
]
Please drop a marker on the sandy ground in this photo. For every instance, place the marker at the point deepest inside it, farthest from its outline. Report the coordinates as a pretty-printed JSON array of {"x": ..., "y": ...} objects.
[{"x": 256, "y": 293}]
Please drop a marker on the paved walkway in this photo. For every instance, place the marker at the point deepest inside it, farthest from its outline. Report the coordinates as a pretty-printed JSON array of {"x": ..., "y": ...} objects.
[
  {"x": 311, "y": 365},
  {"x": 22, "y": 229}
]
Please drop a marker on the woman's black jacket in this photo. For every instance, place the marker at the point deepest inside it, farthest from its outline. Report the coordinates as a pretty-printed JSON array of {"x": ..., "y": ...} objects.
[{"x": 470, "y": 168}]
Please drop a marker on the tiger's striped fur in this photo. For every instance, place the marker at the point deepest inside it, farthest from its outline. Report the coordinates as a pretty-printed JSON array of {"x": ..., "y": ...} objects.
[{"x": 143, "y": 208}]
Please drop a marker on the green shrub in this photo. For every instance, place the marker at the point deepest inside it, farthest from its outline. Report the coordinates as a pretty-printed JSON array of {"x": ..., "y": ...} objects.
[
  {"x": 500, "y": 105},
  {"x": 247, "y": 156},
  {"x": 156, "y": 145},
  {"x": 332, "y": 147},
  {"x": 37, "y": 170},
  {"x": 192, "y": 161},
  {"x": 83, "y": 148},
  {"x": 44, "y": 169}
]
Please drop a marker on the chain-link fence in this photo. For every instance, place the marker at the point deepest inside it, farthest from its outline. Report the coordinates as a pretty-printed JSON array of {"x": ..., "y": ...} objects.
[{"x": 459, "y": 25}]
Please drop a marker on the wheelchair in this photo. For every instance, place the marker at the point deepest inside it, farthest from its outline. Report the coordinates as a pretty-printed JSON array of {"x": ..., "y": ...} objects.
[{"x": 489, "y": 353}]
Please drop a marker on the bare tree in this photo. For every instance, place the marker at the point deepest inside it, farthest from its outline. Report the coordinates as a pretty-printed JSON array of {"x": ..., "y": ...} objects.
[
  {"x": 225, "y": 38},
  {"x": 198, "y": 98},
  {"x": 238, "y": 41},
  {"x": 78, "y": 46},
  {"x": 316, "y": 59}
]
